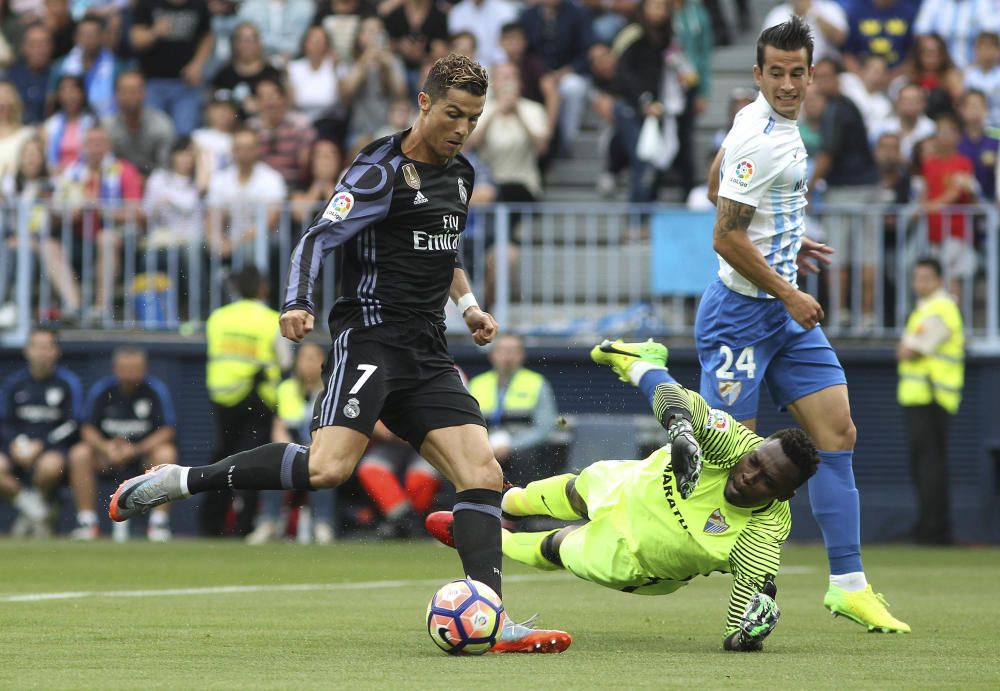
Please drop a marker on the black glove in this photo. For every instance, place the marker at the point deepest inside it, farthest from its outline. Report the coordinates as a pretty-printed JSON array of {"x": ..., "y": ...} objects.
[
  {"x": 685, "y": 455},
  {"x": 759, "y": 619}
]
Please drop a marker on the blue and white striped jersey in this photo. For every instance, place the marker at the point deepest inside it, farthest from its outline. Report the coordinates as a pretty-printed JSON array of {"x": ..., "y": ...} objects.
[{"x": 764, "y": 166}]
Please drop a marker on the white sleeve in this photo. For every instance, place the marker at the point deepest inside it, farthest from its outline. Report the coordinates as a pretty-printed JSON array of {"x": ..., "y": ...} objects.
[
  {"x": 833, "y": 13},
  {"x": 924, "y": 23},
  {"x": 748, "y": 169}
]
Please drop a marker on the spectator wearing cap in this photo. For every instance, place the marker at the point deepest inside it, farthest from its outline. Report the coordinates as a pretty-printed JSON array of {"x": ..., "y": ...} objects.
[
  {"x": 957, "y": 22},
  {"x": 32, "y": 73},
  {"x": 173, "y": 39},
  {"x": 140, "y": 134}
]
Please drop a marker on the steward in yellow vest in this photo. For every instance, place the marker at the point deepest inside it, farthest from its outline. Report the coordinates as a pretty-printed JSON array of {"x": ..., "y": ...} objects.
[
  {"x": 931, "y": 373},
  {"x": 519, "y": 407}
]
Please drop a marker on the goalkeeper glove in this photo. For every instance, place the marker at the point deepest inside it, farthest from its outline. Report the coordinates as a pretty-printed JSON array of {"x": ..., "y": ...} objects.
[
  {"x": 685, "y": 454},
  {"x": 759, "y": 619}
]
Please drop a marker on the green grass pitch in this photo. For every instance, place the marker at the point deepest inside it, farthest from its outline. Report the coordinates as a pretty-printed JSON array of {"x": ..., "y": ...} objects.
[{"x": 353, "y": 633}]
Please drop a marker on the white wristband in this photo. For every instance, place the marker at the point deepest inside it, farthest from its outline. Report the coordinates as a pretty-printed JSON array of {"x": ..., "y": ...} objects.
[{"x": 465, "y": 302}]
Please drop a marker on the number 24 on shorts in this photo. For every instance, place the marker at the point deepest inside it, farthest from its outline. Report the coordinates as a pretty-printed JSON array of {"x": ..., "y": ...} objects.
[{"x": 744, "y": 363}]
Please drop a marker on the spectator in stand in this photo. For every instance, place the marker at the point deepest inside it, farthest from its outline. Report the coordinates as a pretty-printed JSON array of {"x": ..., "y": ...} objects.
[
  {"x": 64, "y": 131},
  {"x": 826, "y": 18},
  {"x": 642, "y": 74},
  {"x": 975, "y": 144},
  {"x": 312, "y": 78},
  {"x": 93, "y": 62},
  {"x": 109, "y": 12},
  {"x": 32, "y": 73},
  {"x": 128, "y": 428},
  {"x": 419, "y": 33},
  {"x": 893, "y": 170},
  {"x": 375, "y": 79},
  {"x": 13, "y": 134},
  {"x": 603, "y": 65},
  {"x": 537, "y": 84},
  {"x": 984, "y": 74},
  {"x": 341, "y": 19},
  {"x": 243, "y": 199},
  {"x": 463, "y": 43},
  {"x": 867, "y": 90},
  {"x": 224, "y": 20},
  {"x": 140, "y": 134},
  {"x": 172, "y": 201},
  {"x": 958, "y": 22},
  {"x": 909, "y": 121},
  {"x": 296, "y": 397},
  {"x": 810, "y": 124},
  {"x": 58, "y": 20},
  {"x": 214, "y": 142},
  {"x": 949, "y": 181},
  {"x": 41, "y": 407},
  {"x": 483, "y": 18},
  {"x": 883, "y": 28},
  {"x": 31, "y": 186},
  {"x": 402, "y": 504},
  {"x": 608, "y": 17},
  {"x": 559, "y": 32},
  {"x": 512, "y": 135},
  {"x": 520, "y": 412},
  {"x": 284, "y": 141},
  {"x": 845, "y": 172},
  {"x": 693, "y": 30},
  {"x": 739, "y": 98},
  {"x": 930, "y": 67},
  {"x": 282, "y": 24},
  {"x": 326, "y": 164},
  {"x": 100, "y": 179},
  {"x": 238, "y": 80},
  {"x": 173, "y": 39},
  {"x": 401, "y": 116}
]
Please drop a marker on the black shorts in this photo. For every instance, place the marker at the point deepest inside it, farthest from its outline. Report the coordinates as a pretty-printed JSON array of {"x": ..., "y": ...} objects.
[{"x": 400, "y": 373}]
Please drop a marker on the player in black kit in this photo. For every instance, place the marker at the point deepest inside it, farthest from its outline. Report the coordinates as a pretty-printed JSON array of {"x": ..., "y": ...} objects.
[{"x": 397, "y": 216}]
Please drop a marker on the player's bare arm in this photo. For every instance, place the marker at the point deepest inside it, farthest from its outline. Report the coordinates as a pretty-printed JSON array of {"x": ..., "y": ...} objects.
[
  {"x": 482, "y": 325},
  {"x": 731, "y": 242},
  {"x": 713, "y": 176}
]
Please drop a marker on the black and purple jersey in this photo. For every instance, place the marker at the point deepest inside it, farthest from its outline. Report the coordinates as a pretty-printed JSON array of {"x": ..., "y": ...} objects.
[{"x": 398, "y": 223}]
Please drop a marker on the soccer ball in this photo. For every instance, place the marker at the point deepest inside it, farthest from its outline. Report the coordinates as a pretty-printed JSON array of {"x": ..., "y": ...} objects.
[{"x": 464, "y": 617}]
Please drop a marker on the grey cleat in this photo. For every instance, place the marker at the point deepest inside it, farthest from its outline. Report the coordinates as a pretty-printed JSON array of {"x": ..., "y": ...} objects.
[{"x": 140, "y": 494}]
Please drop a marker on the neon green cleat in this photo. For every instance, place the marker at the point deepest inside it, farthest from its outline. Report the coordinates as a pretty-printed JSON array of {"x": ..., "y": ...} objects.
[
  {"x": 865, "y": 607},
  {"x": 619, "y": 355}
]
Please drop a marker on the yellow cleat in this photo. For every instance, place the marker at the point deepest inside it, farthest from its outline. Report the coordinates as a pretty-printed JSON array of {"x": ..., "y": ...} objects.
[
  {"x": 865, "y": 607},
  {"x": 620, "y": 356}
]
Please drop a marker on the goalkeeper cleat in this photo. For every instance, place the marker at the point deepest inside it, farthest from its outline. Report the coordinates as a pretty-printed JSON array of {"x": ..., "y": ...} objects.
[
  {"x": 143, "y": 493},
  {"x": 620, "y": 356},
  {"x": 525, "y": 638},
  {"x": 865, "y": 607}
]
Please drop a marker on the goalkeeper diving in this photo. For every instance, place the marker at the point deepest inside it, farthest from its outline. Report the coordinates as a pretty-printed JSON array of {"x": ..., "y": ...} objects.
[{"x": 715, "y": 498}]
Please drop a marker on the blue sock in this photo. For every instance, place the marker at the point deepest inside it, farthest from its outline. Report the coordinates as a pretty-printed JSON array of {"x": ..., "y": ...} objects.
[
  {"x": 650, "y": 379},
  {"x": 836, "y": 507}
]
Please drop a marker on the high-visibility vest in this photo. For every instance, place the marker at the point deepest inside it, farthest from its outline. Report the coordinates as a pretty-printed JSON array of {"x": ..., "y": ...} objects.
[
  {"x": 937, "y": 377},
  {"x": 241, "y": 353},
  {"x": 519, "y": 400}
]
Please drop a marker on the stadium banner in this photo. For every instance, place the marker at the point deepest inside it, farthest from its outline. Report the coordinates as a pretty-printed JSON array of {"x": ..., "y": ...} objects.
[{"x": 683, "y": 259}]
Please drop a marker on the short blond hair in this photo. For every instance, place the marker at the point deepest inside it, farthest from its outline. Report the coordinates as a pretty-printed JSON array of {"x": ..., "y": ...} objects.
[{"x": 456, "y": 71}]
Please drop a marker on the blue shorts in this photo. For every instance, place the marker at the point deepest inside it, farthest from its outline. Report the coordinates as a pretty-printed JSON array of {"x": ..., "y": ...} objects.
[{"x": 743, "y": 341}]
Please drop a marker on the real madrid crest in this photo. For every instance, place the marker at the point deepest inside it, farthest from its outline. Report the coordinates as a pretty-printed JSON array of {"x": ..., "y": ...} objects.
[
  {"x": 411, "y": 175},
  {"x": 462, "y": 194},
  {"x": 353, "y": 407}
]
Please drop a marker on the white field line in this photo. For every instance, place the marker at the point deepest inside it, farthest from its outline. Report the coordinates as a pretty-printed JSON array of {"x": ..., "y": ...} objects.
[{"x": 291, "y": 588}]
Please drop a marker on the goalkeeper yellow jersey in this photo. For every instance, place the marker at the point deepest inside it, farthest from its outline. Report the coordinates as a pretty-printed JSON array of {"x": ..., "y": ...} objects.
[{"x": 677, "y": 538}]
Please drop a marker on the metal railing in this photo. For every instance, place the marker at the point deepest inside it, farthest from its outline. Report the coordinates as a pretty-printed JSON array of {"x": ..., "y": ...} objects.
[{"x": 567, "y": 271}]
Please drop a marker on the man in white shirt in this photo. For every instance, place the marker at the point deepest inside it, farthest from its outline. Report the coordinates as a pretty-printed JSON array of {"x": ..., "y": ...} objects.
[
  {"x": 909, "y": 122},
  {"x": 826, "y": 18},
  {"x": 868, "y": 90},
  {"x": 243, "y": 199},
  {"x": 483, "y": 18},
  {"x": 958, "y": 22}
]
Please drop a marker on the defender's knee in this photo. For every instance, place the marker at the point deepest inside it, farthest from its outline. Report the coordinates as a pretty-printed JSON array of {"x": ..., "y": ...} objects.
[
  {"x": 327, "y": 470},
  {"x": 487, "y": 474}
]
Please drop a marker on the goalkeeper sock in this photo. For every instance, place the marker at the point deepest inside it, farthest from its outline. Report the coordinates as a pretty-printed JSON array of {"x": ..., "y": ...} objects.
[
  {"x": 541, "y": 498},
  {"x": 836, "y": 507},
  {"x": 527, "y": 549},
  {"x": 649, "y": 378},
  {"x": 272, "y": 466},
  {"x": 476, "y": 530}
]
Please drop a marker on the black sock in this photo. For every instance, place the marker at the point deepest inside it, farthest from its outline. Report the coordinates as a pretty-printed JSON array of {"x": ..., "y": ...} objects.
[
  {"x": 272, "y": 466},
  {"x": 477, "y": 535}
]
